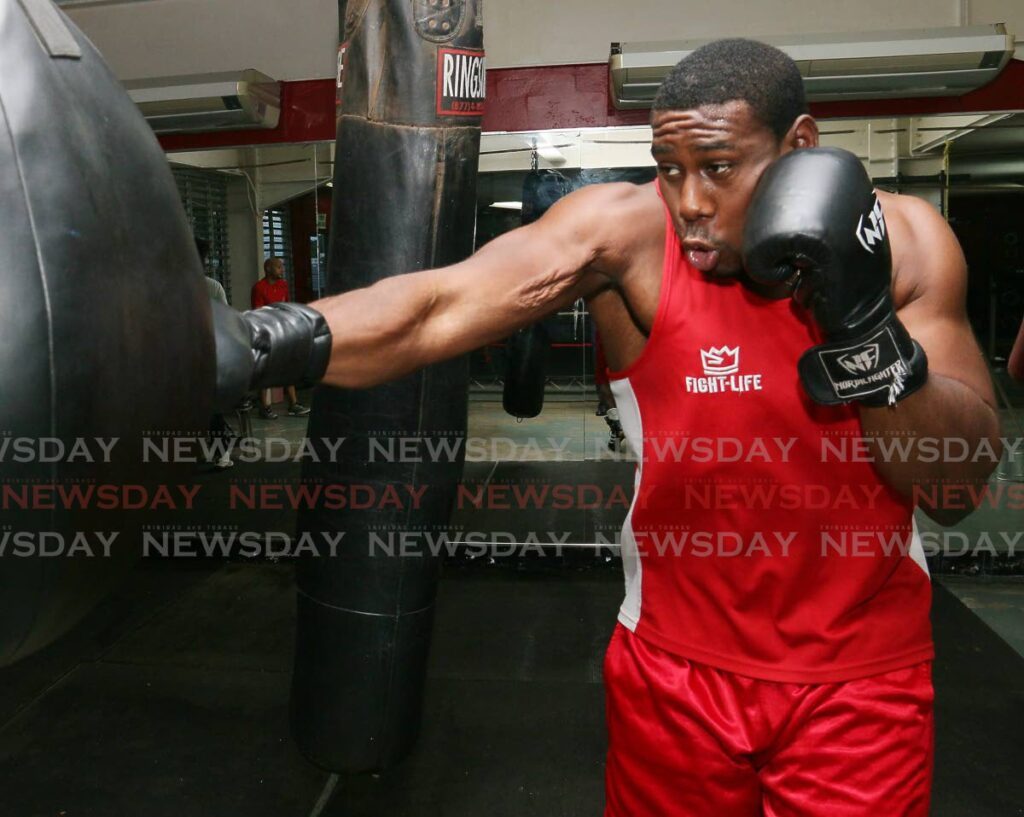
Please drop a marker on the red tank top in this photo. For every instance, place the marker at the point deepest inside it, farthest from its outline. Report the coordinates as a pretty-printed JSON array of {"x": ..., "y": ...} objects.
[{"x": 760, "y": 539}]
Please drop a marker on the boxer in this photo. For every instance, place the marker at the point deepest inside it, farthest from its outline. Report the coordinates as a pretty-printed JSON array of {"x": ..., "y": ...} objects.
[{"x": 759, "y": 286}]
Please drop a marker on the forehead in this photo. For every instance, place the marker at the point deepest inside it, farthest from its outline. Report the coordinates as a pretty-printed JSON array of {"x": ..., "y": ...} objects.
[{"x": 725, "y": 123}]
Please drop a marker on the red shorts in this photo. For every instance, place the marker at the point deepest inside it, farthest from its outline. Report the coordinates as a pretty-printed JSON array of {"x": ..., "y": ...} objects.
[{"x": 688, "y": 740}]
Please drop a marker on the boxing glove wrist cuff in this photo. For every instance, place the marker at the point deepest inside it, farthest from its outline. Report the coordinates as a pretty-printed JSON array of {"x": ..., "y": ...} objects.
[
  {"x": 879, "y": 367},
  {"x": 291, "y": 345}
]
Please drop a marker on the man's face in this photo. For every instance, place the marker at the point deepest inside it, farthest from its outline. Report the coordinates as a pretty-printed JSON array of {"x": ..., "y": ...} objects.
[
  {"x": 709, "y": 162},
  {"x": 277, "y": 270}
]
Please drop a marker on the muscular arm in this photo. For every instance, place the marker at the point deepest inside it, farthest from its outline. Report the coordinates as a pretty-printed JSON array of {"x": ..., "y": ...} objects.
[
  {"x": 408, "y": 321},
  {"x": 957, "y": 401}
]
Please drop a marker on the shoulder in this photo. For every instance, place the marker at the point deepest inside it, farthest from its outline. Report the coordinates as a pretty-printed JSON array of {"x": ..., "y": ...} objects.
[
  {"x": 611, "y": 204},
  {"x": 926, "y": 257},
  {"x": 911, "y": 213},
  {"x": 619, "y": 219}
]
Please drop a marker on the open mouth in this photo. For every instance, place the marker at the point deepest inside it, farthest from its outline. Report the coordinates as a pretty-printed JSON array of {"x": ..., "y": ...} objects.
[{"x": 702, "y": 255}]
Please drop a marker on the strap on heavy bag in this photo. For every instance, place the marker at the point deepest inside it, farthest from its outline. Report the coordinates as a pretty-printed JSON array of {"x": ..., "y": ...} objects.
[
  {"x": 411, "y": 75},
  {"x": 526, "y": 352}
]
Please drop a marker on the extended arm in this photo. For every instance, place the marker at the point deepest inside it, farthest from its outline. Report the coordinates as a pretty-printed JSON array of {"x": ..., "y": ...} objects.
[
  {"x": 375, "y": 334},
  {"x": 402, "y": 323}
]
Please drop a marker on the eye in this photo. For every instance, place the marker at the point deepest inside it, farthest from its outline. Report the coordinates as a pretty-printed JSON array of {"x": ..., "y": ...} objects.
[
  {"x": 718, "y": 168},
  {"x": 669, "y": 171}
]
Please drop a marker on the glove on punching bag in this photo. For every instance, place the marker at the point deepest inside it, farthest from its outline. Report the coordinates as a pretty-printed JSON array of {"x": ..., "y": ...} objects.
[
  {"x": 412, "y": 75},
  {"x": 814, "y": 218},
  {"x": 283, "y": 344}
]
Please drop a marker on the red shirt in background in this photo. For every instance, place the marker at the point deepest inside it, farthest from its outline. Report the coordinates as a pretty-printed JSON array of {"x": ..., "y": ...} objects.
[{"x": 265, "y": 291}]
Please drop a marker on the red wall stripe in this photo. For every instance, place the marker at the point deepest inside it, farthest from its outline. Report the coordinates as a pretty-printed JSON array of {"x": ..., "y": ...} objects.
[{"x": 307, "y": 115}]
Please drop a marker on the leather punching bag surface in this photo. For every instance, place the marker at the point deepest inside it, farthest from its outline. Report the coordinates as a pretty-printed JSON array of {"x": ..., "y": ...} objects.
[
  {"x": 412, "y": 87},
  {"x": 526, "y": 353},
  {"x": 105, "y": 331}
]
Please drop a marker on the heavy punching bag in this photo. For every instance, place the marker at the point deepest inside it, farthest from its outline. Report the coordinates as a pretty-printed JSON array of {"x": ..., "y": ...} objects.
[
  {"x": 105, "y": 332},
  {"x": 526, "y": 351},
  {"x": 412, "y": 87}
]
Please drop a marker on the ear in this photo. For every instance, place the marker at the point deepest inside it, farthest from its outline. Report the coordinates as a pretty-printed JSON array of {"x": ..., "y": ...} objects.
[{"x": 803, "y": 133}]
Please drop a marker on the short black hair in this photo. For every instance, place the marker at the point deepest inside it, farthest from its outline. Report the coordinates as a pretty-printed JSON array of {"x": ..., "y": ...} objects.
[{"x": 761, "y": 75}]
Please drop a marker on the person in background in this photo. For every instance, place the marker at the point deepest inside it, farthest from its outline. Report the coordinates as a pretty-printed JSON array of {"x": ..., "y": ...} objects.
[
  {"x": 219, "y": 427},
  {"x": 272, "y": 288}
]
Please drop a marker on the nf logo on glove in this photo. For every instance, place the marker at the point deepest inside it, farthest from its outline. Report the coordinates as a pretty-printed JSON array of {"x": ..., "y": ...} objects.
[
  {"x": 860, "y": 362},
  {"x": 722, "y": 360},
  {"x": 720, "y": 365},
  {"x": 864, "y": 369},
  {"x": 871, "y": 232}
]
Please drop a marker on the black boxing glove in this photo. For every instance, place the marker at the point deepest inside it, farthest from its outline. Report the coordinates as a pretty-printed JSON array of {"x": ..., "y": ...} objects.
[
  {"x": 815, "y": 221},
  {"x": 283, "y": 344}
]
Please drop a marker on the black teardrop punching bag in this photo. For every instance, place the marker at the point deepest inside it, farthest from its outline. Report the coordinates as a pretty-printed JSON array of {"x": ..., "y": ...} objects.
[
  {"x": 527, "y": 349},
  {"x": 105, "y": 333},
  {"x": 411, "y": 99}
]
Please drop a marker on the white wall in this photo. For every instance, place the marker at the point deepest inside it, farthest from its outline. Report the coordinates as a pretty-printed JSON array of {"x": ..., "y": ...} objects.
[
  {"x": 245, "y": 236},
  {"x": 296, "y": 39},
  {"x": 287, "y": 39},
  {"x": 532, "y": 32}
]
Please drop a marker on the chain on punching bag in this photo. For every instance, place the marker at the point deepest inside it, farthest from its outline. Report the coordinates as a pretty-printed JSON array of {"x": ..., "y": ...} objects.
[
  {"x": 411, "y": 78},
  {"x": 526, "y": 351}
]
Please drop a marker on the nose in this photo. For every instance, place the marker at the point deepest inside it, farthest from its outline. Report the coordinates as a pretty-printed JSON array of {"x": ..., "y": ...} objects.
[{"x": 694, "y": 202}]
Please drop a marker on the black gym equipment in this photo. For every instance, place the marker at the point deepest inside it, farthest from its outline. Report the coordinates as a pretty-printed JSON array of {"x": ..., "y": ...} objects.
[
  {"x": 99, "y": 278},
  {"x": 526, "y": 358},
  {"x": 527, "y": 349},
  {"x": 408, "y": 141}
]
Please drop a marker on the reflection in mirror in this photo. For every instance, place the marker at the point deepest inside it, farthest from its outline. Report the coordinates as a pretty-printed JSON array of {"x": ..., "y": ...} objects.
[{"x": 255, "y": 203}]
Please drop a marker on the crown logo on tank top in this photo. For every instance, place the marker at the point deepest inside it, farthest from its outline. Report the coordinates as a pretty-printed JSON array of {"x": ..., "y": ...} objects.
[{"x": 721, "y": 373}]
